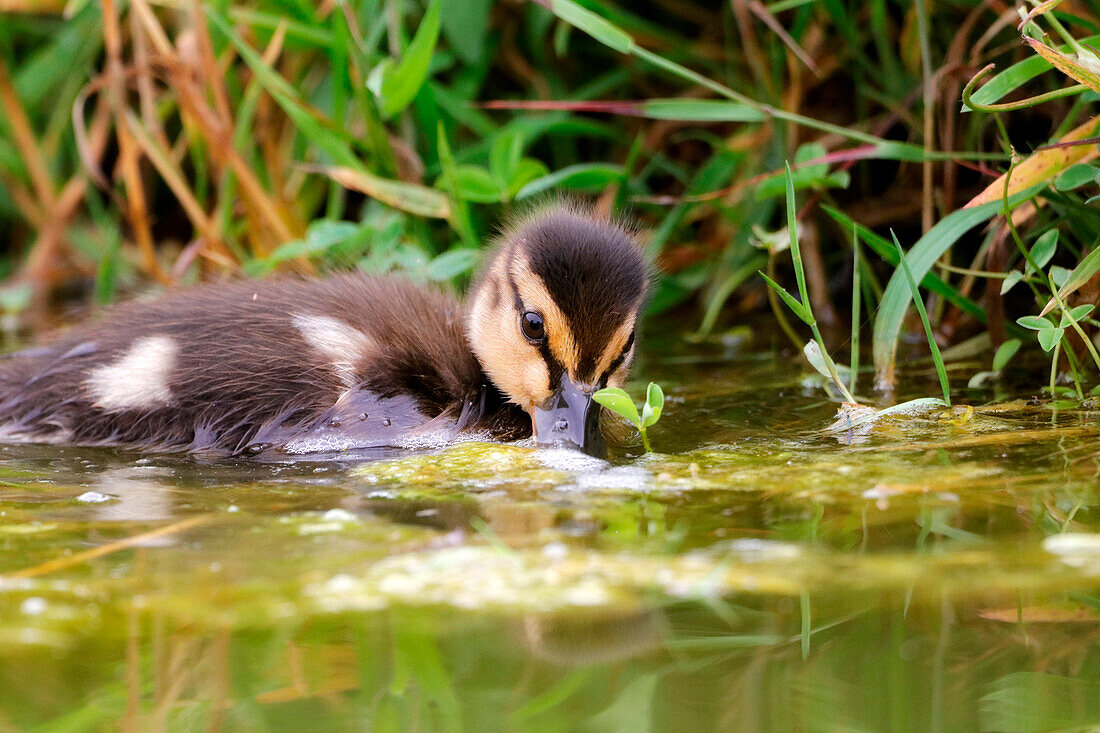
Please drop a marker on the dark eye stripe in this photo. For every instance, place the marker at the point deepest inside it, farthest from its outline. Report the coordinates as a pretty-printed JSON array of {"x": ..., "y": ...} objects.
[
  {"x": 618, "y": 360},
  {"x": 553, "y": 366}
]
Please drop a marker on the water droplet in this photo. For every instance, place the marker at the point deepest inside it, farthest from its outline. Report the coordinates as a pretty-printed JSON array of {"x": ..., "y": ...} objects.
[
  {"x": 334, "y": 422},
  {"x": 386, "y": 421},
  {"x": 561, "y": 425},
  {"x": 362, "y": 416}
]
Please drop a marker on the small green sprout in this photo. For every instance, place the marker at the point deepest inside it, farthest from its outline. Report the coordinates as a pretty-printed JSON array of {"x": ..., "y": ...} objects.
[{"x": 620, "y": 403}]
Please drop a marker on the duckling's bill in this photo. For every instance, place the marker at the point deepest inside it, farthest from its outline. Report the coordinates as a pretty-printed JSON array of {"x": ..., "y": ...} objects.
[{"x": 570, "y": 417}]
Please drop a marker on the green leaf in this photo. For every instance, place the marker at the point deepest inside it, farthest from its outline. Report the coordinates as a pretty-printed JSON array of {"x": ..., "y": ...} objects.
[
  {"x": 321, "y": 236},
  {"x": 885, "y": 249},
  {"x": 1044, "y": 248},
  {"x": 592, "y": 24},
  {"x": 465, "y": 26},
  {"x": 452, "y": 263},
  {"x": 474, "y": 183},
  {"x": 1080, "y": 69},
  {"x": 814, "y": 176},
  {"x": 1017, "y": 75},
  {"x": 400, "y": 82},
  {"x": 1048, "y": 337},
  {"x": 287, "y": 97},
  {"x": 1035, "y": 323},
  {"x": 1010, "y": 282},
  {"x": 813, "y": 355},
  {"x": 797, "y": 308},
  {"x": 700, "y": 110},
  {"x": 1081, "y": 274},
  {"x": 1075, "y": 314},
  {"x": 796, "y": 252},
  {"x": 1004, "y": 354},
  {"x": 926, "y": 252},
  {"x": 504, "y": 156},
  {"x": 1059, "y": 275},
  {"x": 528, "y": 170},
  {"x": 618, "y": 402},
  {"x": 654, "y": 403},
  {"x": 582, "y": 176},
  {"x": 410, "y": 197},
  {"x": 1075, "y": 176},
  {"x": 937, "y": 358}
]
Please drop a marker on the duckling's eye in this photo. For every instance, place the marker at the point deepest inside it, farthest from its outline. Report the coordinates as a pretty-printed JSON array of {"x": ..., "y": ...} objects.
[{"x": 532, "y": 326}]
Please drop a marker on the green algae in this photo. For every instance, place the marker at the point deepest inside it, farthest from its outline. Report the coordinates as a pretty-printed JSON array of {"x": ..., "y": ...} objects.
[{"x": 497, "y": 587}]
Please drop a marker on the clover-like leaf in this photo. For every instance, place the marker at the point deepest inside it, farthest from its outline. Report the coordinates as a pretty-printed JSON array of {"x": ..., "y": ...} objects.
[
  {"x": 1010, "y": 282},
  {"x": 1044, "y": 248},
  {"x": 1035, "y": 323},
  {"x": 1049, "y": 337},
  {"x": 618, "y": 402},
  {"x": 1075, "y": 314},
  {"x": 654, "y": 403}
]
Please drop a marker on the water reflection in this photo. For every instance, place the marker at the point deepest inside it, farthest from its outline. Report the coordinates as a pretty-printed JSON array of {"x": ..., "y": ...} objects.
[
  {"x": 742, "y": 664},
  {"x": 756, "y": 575}
]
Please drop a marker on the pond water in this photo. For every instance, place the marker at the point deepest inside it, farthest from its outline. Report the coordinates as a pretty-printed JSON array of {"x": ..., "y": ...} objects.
[{"x": 936, "y": 571}]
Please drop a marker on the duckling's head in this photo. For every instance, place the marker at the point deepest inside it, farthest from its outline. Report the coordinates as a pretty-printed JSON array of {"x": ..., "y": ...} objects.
[{"x": 552, "y": 319}]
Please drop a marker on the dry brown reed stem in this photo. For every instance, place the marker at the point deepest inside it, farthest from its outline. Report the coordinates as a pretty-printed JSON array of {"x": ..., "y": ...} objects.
[
  {"x": 515, "y": 64},
  {"x": 267, "y": 215},
  {"x": 928, "y": 95},
  {"x": 177, "y": 182},
  {"x": 23, "y": 133},
  {"x": 950, "y": 88},
  {"x": 50, "y": 210},
  {"x": 109, "y": 548},
  {"x": 128, "y": 161},
  {"x": 774, "y": 25},
  {"x": 751, "y": 47},
  {"x": 144, "y": 77}
]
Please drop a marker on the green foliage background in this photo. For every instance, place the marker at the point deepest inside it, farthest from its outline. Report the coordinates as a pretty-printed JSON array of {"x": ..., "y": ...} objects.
[{"x": 146, "y": 143}]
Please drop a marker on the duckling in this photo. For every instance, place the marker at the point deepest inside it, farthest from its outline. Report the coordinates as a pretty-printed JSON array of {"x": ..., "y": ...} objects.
[{"x": 291, "y": 366}]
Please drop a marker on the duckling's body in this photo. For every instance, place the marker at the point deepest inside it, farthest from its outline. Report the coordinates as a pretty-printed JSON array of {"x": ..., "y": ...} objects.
[{"x": 349, "y": 361}]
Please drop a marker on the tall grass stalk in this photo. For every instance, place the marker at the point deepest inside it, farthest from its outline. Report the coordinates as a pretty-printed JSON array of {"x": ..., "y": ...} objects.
[
  {"x": 937, "y": 357},
  {"x": 853, "y": 368}
]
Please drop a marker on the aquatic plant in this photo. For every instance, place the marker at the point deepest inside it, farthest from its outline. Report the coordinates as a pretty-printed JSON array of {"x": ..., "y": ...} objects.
[{"x": 619, "y": 402}]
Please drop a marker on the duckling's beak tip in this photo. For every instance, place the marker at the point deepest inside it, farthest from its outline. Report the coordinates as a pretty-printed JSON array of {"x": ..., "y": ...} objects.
[{"x": 570, "y": 418}]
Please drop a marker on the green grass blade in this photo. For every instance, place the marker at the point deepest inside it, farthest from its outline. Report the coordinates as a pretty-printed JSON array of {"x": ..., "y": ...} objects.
[
  {"x": 582, "y": 176},
  {"x": 401, "y": 82},
  {"x": 792, "y": 233},
  {"x": 599, "y": 28},
  {"x": 896, "y": 297},
  {"x": 853, "y": 368},
  {"x": 700, "y": 110},
  {"x": 941, "y": 370},
  {"x": 932, "y": 282},
  {"x": 797, "y": 308},
  {"x": 1017, "y": 75}
]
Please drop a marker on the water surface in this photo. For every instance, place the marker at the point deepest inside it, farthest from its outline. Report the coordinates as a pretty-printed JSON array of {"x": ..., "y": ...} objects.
[{"x": 936, "y": 571}]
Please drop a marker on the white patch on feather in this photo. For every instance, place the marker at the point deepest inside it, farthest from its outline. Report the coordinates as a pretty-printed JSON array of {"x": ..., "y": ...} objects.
[
  {"x": 138, "y": 379},
  {"x": 341, "y": 344}
]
